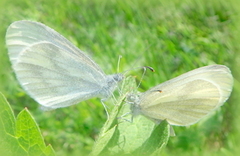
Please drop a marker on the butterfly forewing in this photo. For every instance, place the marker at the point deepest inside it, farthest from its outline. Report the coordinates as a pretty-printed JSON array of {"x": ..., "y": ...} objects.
[
  {"x": 22, "y": 34},
  {"x": 189, "y": 97}
]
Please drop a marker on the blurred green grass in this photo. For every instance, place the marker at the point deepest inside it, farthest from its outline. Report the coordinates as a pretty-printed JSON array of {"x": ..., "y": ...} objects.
[{"x": 171, "y": 36}]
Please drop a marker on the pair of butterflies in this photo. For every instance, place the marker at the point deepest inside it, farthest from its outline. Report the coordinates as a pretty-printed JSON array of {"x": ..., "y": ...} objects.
[{"x": 57, "y": 74}]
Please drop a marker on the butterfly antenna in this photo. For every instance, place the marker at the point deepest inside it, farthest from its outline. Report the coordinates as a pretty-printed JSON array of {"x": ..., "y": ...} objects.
[
  {"x": 118, "y": 64},
  {"x": 118, "y": 71},
  {"x": 144, "y": 72},
  {"x": 141, "y": 79},
  {"x": 144, "y": 67}
]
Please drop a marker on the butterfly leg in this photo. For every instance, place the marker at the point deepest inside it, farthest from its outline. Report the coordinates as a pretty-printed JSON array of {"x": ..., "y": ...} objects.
[{"x": 105, "y": 108}]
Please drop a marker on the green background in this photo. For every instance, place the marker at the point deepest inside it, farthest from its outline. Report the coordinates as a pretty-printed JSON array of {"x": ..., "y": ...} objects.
[{"x": 171, "y": 36}]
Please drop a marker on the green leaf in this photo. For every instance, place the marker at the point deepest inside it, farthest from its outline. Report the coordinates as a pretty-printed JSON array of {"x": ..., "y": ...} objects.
[
  {"x": 103, "y": 141},
  {"x": 122, "y": 137},
  {"x": 49, "y": 151},
  {"x": 108, "y": 131},
  {"x": 7, "y": 123},
  {"x": 20, "y": 136},
  {"x": 157, "y": 140},
  {"x": 9, "y": 143},
  {"x": 28, "y": 133}
]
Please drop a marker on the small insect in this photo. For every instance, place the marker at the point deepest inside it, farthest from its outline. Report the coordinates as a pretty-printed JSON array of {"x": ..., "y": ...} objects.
[
  {"x": 186, "y": 99},
  {"x": 52, "y": 70}
]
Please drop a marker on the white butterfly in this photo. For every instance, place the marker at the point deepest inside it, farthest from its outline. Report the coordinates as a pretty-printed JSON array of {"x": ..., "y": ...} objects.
[
  {"x": 52, "y": 70},
  {"x": 186, "y": 99}
]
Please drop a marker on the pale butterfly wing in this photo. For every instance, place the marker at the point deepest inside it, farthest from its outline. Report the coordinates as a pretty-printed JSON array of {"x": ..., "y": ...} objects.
[
  {"x": 22, "y": 34},
  {"x": 186, "y": 99},
  {"x": 52, "y": 70}
]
